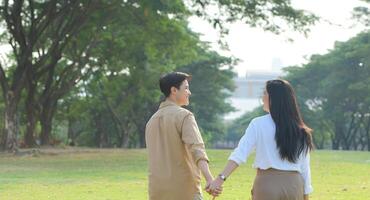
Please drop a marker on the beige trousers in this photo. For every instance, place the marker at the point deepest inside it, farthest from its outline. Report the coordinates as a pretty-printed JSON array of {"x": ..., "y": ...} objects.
[{"x": 272, "y": 184}]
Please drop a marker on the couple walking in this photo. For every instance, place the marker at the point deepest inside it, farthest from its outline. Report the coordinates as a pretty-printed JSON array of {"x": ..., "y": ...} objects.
[{"x": 177, "y": 156}]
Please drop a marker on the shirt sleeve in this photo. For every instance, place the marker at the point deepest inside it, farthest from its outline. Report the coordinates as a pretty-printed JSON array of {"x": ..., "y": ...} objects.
[
  {"x": 192, "y": 138},
  {"x": 246, "y": 146},
  {"x": 306, "y": 174}
]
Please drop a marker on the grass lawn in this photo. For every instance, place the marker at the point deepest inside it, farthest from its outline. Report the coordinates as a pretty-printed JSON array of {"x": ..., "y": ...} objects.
[{"x": 89, "y": 174}]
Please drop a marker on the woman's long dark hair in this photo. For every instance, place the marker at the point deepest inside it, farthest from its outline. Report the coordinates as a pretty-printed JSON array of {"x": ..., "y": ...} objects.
[{"x": 292, "y": 135}]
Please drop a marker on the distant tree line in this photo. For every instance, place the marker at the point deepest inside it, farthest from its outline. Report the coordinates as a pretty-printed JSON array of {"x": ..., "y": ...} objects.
[{"x": 333, "y": 91}]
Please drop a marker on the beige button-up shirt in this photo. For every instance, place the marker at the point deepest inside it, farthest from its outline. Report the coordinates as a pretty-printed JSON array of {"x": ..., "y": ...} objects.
[{"x": 174, "y": 146}]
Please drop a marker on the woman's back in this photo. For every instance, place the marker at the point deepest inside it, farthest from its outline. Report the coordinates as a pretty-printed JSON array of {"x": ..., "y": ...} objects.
[
  {"x": 282, "y": 142},
  {"x": 260, "y": 136}
]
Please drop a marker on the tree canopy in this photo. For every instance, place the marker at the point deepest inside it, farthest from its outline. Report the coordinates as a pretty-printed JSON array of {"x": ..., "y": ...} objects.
[{"x": 103, "y": 58}]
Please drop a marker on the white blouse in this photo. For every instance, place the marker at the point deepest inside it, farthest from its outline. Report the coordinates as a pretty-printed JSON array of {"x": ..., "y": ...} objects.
[{"x": 260, "y": 136}]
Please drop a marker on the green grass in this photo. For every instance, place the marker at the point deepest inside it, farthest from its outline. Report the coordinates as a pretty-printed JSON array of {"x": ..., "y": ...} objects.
[{"x": 122, "y": 175}]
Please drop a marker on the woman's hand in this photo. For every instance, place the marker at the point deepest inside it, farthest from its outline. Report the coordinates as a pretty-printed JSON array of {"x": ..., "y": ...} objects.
[{"x": 214, "y": 188}]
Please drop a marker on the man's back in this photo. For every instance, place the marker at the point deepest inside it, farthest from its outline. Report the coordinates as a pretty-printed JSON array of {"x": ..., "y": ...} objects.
[{"x": 173, "y": 173}]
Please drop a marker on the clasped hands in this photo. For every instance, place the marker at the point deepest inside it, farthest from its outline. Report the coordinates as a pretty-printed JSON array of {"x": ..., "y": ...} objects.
[{"x": 214, "y": 187}]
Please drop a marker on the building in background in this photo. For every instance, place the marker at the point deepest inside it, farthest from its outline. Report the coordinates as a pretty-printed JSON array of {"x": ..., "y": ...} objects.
[{"x": 249, "y": 91}]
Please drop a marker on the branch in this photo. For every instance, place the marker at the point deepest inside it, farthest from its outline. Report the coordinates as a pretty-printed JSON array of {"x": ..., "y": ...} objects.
[
  {"x": 48, "y": 14},
  {"x": 18, "y": 31},
  {"x": 67, "y": 82},
  {"x": 346, "y": 137},
  {"x": 14, "y": 47},
  {"x": 31, "y": 34},
  {"x": 354, "y": 132},
  {"x": 3, "y": 81},
  {"x": 6, "y": 16},
  {"x": 61, "y": 40}
]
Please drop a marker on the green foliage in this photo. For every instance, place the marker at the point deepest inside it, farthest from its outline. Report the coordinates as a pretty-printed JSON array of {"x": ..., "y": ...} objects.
[
  {"x": 123, "y": 93},
  {"x": 96, "y": 64},
  {"x": 211, "y": 84},
  {"x": 271, "y": 15},
  {"x": 237, "y": 127},
  {"x": 333, "y": 93},
  {"x": 362, "y": 13}
]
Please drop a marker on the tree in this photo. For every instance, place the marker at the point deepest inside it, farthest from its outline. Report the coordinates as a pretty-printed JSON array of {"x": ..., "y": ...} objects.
[
  {"x": 333, "y": 88},
  {"x": 362, "y": 14},
  {"x": 211, "y": 84},
  {"x": 237, "y": 127},
  {"x": 271, "y": 15},
  {"x": 33, "y": 27},
  {"x": 123, "y": 93},
  {"x": 43, "y": 35}
]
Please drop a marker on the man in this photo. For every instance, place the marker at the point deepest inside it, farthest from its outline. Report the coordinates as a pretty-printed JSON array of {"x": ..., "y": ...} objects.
[{"x": 175, "y": 146}]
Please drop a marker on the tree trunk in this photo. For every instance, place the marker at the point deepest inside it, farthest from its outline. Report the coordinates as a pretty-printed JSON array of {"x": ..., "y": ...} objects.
[
  {"x": 338, "y": 137},
  {"x": 71, "y": 133},
  {"x": 10, "y": 132},
  {"x": 142, "y": 137},
  {"x": 121, "y": 127},
  {"x": 321, "y": 144},
  {"x": 45, "y": 129},
  {"x": 142, "y": 124},
  {"x": 346, "y": 137},
  {"x": 125, "y": 139},
  {"x": 368, "y": 134},
  {"x": 46, "y": 120},
  {"x": 353, "y": 139},
  {"x": 368, "y": 141},
  {"x": 316, "y": 143},
  {"x": 101, "y": 135},
  {"x": 29, "y": 137}
]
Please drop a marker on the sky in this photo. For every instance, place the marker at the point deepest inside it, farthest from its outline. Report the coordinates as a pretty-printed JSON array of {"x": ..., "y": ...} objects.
[{"x": 264, "y": 51}]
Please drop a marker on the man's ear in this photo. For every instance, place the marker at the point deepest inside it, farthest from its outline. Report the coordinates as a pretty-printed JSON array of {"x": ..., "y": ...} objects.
[{"x": 173, "y": 90}]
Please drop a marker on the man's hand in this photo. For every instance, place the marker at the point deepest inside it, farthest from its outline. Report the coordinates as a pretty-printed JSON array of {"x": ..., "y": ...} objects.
[
  {"x": 214, "y": 187},
  {"x": 203, "y": 165}
]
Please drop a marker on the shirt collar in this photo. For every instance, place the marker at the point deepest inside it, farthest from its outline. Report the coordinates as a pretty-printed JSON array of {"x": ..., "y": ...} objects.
[{"x": 167, "y": 103}]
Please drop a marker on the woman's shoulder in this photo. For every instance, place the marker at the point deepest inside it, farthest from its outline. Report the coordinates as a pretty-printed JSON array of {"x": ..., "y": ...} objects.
[{"x": 262, "y": 119}]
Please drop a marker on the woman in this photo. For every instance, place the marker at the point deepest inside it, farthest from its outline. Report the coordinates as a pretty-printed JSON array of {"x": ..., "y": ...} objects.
[{"x": 282, "y": 143}]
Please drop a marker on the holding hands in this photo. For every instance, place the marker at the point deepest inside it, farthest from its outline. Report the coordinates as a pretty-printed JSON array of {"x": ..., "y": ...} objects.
[{"x": 214, "y": 187}]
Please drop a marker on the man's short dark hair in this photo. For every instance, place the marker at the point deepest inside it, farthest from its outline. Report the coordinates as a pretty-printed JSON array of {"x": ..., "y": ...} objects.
[{"x": 173, "y": 79}]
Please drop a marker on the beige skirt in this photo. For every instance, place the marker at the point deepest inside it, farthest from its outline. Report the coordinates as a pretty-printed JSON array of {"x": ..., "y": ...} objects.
[{"x": 272, "y": 184}]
